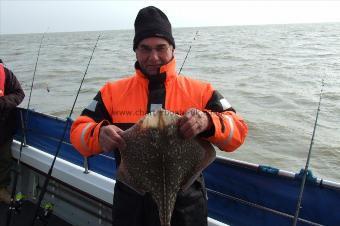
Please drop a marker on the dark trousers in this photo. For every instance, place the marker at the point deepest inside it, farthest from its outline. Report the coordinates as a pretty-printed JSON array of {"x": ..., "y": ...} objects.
[
  {"x": 5, "y": 163},
  {"x": 132, "y": 209}
]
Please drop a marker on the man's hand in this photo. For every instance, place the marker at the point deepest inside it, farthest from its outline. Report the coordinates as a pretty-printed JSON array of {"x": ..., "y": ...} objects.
[
  {"x": 110, "y": 138},
  {"x": 193, "y": 122}
]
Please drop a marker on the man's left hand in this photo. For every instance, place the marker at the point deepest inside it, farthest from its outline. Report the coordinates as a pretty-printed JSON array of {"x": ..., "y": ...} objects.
[{"x": 193, "y": 122}]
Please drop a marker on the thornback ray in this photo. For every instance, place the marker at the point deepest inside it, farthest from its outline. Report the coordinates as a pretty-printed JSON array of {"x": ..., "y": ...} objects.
[{"x": 159, "y": 161}]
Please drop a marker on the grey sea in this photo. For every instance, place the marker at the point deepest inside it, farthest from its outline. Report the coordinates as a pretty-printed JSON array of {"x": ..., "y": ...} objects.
[{"x": 270, "y": 74}]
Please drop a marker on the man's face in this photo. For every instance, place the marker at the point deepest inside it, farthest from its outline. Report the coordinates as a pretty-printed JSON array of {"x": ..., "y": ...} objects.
[{"x": 152, "y": 53}]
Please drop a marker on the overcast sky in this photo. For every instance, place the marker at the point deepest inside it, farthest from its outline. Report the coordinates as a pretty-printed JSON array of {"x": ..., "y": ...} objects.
[{"x": 57, "y": 16}]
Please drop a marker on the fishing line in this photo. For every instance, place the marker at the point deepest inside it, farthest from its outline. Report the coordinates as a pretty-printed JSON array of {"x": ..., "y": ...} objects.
[
  {"x": 12, "y": 206},
  {"x": 188, "y": 53},
  {"x": 298, "y": 206},
  {"x": 48, "y": 177}
]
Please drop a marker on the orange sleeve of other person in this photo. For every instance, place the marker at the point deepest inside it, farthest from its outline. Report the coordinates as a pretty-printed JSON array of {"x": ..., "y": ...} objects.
[{"x": 2, "y": 80}]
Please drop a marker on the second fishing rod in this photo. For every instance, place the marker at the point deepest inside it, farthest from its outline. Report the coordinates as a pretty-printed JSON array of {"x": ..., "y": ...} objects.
[
  {"x": 186, "y": 56},
  {"x": 49, "y": 174}
]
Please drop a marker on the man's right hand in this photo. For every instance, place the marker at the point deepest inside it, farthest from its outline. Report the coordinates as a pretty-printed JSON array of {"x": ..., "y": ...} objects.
[{"x": 110, "y": 138}]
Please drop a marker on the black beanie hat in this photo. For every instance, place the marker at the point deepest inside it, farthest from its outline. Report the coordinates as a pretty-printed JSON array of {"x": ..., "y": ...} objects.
[{"x": 152, "y": 22}]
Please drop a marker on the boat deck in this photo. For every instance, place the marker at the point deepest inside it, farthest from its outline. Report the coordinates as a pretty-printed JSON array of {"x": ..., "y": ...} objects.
[{"x": 26, "y": 214}]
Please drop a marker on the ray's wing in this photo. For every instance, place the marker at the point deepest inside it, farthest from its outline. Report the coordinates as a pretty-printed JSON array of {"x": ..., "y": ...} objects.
[
  {"x": 207, "y": 155},
  {"x": 130, "y": 158}
]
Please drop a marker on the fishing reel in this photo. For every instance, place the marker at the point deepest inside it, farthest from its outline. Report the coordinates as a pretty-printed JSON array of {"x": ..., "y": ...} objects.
[
  {"x": 16, "y": 204},
  {"x": 45, "y": 212}
]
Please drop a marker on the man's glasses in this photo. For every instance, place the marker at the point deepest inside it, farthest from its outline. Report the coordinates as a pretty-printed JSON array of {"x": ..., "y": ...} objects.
[{"x": 147, "y": 50}]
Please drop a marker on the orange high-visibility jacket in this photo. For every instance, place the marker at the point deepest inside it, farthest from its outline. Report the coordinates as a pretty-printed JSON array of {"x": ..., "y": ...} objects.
[
  {"x": 125, "y": 101},
  {"x": 2, "y": 80}
]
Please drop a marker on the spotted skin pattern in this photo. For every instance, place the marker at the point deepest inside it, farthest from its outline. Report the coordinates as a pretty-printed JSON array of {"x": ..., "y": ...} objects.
[{"x": 158, "y": 161}]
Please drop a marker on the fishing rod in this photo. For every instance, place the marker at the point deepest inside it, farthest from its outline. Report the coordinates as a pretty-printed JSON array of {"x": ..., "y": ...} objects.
[
  {"x": 188, "y": 52},
  {"x": 298, "y": 206},
  {"x": 15, "y": 204},
  {"x": 48, "y": 177}
]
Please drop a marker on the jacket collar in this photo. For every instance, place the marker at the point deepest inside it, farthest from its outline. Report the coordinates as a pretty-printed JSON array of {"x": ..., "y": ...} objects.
[{"x": 167, "y": 71}]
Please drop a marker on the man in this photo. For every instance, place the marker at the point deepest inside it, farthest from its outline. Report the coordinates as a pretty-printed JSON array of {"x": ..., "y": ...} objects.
[
  {"x": 11, "y": 95},
  {"x": 156, "y": 85}
]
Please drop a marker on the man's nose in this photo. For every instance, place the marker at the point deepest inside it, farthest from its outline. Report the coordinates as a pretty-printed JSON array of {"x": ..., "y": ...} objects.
[{"x": 154, "y": 55}]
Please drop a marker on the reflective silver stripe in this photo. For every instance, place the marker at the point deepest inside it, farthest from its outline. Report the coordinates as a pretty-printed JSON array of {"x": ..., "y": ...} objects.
[
  {"x": 225, "y": 104},
  {"x": 82, "y": 138},
  {"x": 92, "y": 106},
  {"x": 231, "y": 132}
]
